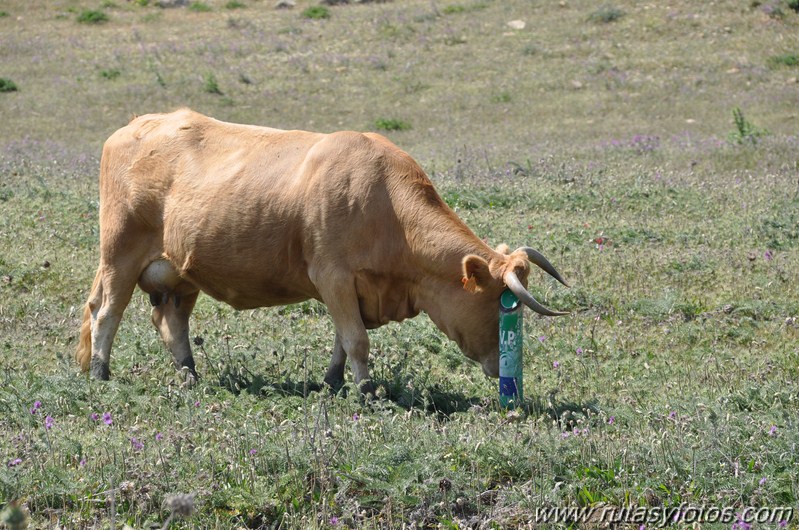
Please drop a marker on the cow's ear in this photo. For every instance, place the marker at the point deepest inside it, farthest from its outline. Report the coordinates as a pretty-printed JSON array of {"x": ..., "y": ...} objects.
[{"x": 476, "y": 275}]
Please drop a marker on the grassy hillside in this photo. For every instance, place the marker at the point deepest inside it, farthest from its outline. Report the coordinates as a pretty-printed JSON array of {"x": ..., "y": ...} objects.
[{"x": 649, "y": 150}]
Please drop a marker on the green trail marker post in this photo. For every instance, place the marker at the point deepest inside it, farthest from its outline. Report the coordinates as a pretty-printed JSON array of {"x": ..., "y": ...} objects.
[{"x": 511, "y": 323}]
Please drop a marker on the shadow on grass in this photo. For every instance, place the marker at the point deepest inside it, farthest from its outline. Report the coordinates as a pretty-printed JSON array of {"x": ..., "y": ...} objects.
[{"x": 405, "y": 393}]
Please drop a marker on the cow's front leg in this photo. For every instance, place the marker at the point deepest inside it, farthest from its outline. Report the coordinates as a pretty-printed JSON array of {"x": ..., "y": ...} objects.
[
  {"x": 335, "y": 372},
  {"x": 338, "y": 292}
]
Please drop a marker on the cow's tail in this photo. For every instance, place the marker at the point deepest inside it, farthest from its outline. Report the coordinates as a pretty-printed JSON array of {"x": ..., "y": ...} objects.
[{"x": 83, "y": 353}]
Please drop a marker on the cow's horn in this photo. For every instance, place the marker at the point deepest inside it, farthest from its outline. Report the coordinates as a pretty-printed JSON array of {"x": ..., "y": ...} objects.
[
  {"x": 536, "y": 257},
  {"x": 516, "y": 287}
]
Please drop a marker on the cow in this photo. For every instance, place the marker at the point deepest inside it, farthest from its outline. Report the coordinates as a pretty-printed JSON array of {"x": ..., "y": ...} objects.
[{"x": 258, "y": 217}]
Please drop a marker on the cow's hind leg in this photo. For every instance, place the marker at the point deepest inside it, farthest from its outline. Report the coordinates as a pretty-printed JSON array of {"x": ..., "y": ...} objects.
[
  {"x": 171, "y": 318},
  {"x": 106, "y": 304},
  {"x": 173, "y": 300}
]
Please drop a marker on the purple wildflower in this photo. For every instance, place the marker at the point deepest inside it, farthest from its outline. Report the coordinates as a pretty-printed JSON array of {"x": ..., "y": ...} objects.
[
  {"x": 82, "y": 462},
  {"x": 355, "y": 417},
  {"x": 611, "y": 420},
  {"x": 740, "y": 524},
  {"x": 542, "y": 338},
  {"x": 159, "y": 436},
  {"x": 94, "y": 416},
  {"x": 768, "y": 255},
  {"x": 762, "y": 481},
  {"x": 555, "y": 364},
  {"x": 579, "y": 351},
  {"x": 253, "y": 452},
  {"x": 672, "y": 414},
  {"x": 36, "y": 406},
  {"x": 772, "y": 431},
  {"x": 783, "y": 524},
  {"x": 15, "y": 462},
  {"x": 333, "y": 521},
  {"x": 49, "y": 422},
  {"x": 107, "y": 418},
  {"x": 136, "y": 444}
]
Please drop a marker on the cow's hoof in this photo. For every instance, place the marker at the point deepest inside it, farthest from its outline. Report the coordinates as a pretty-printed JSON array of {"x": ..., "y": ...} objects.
[
  {"x": 335, "y": 384},
  {"x": 99, "y": 370},
  {"x": 190, "y": 377},
  {"x": 368, "y": 389}
]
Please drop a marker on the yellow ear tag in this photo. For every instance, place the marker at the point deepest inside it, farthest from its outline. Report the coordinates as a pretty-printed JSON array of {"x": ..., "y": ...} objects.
[{"x": 470, "y": 284}]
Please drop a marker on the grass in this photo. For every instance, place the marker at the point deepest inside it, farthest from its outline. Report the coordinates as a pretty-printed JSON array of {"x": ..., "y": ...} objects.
[
  {"x": 745, "y": 131},
  {"x": 787, "y": 59},
  {"x": 7, "y": 85},
  {"x": 92, "y": 16},
  {"x": 606, "y": 14},
  {"x": 110, "y": 73},
  {"x": 199, "y": 7},
  {"x": 211, "y": 85},
  {"x": 316, "y": 13},
  {"x": 392, "y": 124},
  {"x": 673, "y": 382}
]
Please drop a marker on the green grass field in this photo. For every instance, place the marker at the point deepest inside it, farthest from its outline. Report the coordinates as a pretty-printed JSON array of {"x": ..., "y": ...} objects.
[{"x": 650, "y": 151}]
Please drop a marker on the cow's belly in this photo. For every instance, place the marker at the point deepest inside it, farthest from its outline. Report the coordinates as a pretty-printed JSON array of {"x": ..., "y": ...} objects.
[
  {"x": 247, "y": 264},
  {"x": 241, "y": 285}
]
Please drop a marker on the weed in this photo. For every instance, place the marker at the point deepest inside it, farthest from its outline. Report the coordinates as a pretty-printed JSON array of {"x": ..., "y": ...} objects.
[
  {"x": 793, "y": 4},
  {"x": 416, "y": 87},
  {"x": 745, "y": 131},
  {"x": 108, "y": 4},
  {"x": 199, "y": 7},
  {"x": 460, "y": 8},
  {"x": 142, "y": 3},
  {"x": 110, "y": 74},
  {"x": 316, "y": 13},
  {"x": 773, "y": 10},
  {"x": 92, "y": 16},
  {"x": 787, "y": 59},
  {"x": 452, "y": 9},
  {"x": 235, "y": 4},
  {"x": 3, "y": 14},
  {"x": 7, "y": 85},
  {"x": 502, "y": 97},
  {"x": 211, "y": 85},
  {"x": 531, "y": 49},
  {"x": 606, "y": 14},
  {"x": 392, "y": 124}
]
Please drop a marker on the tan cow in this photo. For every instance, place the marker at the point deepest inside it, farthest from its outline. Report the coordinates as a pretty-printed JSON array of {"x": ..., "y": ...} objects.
[{"x": 261, "y": 217}]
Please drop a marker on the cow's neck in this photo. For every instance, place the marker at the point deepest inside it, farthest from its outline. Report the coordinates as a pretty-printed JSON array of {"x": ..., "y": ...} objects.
[
  {"x": 437, "y": 240},
  {"x": 439, "y": 257}
]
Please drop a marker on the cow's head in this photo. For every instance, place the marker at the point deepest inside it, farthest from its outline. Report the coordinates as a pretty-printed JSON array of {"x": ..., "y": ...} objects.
[{"x": 469, "y": 315}]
